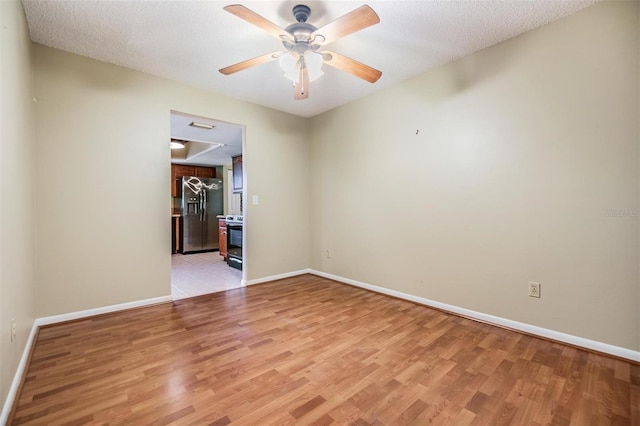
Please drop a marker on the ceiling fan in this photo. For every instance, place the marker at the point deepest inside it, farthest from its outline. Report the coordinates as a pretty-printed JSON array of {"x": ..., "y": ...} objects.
[{"x": 302, "y": 60}]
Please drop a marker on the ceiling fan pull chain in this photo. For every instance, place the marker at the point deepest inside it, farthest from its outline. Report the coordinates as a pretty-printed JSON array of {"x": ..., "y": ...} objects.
[
  {"x": 302, "y": 86},
  {"x": 302, "y": 68}
]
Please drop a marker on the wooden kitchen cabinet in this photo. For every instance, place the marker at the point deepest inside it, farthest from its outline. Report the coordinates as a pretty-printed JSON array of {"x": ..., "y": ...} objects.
[
  {"x": 237, "y": 173},
  {"x": 205, "y": 172},
  {"x": 184, "y": 170},
  {"x": 222, "y": 239},
  {"x": 176, "y": 237},
  {"x": 180, "y": 170}
]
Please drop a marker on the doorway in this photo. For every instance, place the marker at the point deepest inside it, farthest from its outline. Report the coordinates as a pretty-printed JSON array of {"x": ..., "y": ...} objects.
[{"x": 202, "y": 195}]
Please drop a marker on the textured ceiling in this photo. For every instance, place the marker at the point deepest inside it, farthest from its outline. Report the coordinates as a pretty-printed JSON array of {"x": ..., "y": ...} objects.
[{"x": 189, "y": 41}]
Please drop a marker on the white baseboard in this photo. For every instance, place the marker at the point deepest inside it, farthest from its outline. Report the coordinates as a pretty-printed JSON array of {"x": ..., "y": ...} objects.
[
  {"x": 526, "y": 328},
  {"x": 103, "y": 310},
  {"x": 13, "y": 390},
  {"x": 277, "y": 277},
  {"x": 22, "y": 365}
]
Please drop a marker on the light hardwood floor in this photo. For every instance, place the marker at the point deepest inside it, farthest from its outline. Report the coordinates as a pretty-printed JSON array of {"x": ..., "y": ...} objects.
[{"x": 307, "y": 350}]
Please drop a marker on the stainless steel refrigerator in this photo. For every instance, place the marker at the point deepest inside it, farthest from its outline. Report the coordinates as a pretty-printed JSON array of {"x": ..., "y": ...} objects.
[{"x": 201, "y": 203}]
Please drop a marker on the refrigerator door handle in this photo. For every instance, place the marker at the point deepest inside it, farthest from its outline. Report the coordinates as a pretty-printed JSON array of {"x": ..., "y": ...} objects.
[{"x": 204, "y": 206}]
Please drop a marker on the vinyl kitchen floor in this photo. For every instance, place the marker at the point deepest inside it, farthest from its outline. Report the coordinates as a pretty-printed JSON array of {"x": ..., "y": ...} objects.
[{"x": 201, "y": 273}]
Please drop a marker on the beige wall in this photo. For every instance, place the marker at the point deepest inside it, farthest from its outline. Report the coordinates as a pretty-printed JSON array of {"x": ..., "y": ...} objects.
[
  {"x": 102, "y": 161},
  {"x": 522, "y": 150},
  {"x": 16, "y": 190}
]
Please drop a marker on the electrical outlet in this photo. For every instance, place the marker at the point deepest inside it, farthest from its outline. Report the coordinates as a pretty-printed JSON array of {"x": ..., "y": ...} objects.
[
  {"x": 13, "y": 330},
  {"x": 534, "y": 289},
  {"x": 328, "y": 254}
]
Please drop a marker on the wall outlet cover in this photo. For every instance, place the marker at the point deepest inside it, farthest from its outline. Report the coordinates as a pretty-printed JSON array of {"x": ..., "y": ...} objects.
[{"x": 534, "y": 289}]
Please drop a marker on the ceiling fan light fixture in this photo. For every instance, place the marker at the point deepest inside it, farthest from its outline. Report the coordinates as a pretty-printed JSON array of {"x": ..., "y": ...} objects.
[
  {"x": 291, "y": 63},
  {"x": 314, "y": 64}
]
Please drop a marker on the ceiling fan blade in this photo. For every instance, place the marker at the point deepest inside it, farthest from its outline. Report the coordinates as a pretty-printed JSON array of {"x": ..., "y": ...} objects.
[
  {"x": 352, "y": 66},
  {"x": 353, "y": 21},
  {"x": 253, "y": 18},
  {"x": 250, "y": 63},
  {"x": 301, "y": 87}
]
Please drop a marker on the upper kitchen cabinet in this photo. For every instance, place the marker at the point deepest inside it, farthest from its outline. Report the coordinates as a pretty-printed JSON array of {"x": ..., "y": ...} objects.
[
  {"x": 183, "y": 170},
  {"x": 205, "y": 172},
  {"x": 180, "y": 170},
  {"x": 237, "y": 173}
]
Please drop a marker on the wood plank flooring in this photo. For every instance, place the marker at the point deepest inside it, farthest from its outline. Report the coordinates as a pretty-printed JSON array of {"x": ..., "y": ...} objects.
[{"x": 307, "y": 350}]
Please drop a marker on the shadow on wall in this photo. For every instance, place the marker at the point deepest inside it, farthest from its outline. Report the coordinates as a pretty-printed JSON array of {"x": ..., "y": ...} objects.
[{"x": 477, "y": 69}]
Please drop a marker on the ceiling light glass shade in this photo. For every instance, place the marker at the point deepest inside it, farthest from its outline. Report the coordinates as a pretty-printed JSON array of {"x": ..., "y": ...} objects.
[
  {"x": 290, "y": 64},
  {"x": 314, "y": 64},
  {"x": 177, "y": 145}
]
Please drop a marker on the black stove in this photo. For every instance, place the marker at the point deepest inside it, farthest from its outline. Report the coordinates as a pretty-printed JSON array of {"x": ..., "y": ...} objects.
[{"x": 234, "y": 241}]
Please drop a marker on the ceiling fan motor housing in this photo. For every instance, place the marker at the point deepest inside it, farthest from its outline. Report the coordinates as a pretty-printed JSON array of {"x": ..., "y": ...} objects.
[{"x": 300, "y": 30}]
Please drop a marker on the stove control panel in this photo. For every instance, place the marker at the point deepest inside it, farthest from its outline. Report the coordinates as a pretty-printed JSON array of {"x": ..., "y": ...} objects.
[{"x": 233, "y": 218}]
